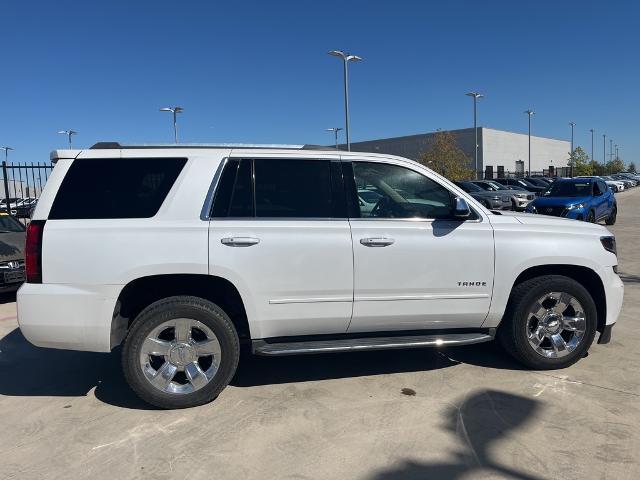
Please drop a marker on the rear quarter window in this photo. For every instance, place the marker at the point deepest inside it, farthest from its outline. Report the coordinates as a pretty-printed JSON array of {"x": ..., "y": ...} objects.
[{"x": 115, "y": 188}]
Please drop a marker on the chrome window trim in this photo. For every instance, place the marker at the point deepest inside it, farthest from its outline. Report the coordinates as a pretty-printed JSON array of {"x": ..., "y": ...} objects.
[{"x": 205, "y": 213}]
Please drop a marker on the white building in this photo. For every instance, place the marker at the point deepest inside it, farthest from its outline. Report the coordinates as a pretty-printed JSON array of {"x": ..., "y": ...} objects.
[{"x": 499, "y": 152}]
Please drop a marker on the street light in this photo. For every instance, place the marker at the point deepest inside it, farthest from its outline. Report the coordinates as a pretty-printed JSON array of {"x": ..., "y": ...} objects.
[
  {"x": 6, "y": 152},
  {"x": 610, "y": 150},
  {"x": 175, "y": 111},
  {"x": 604, "y": 150},
  {"x": 616, "y": 152},
  {"x": 68, "y": 133},
  {"x": 529, "y": 112},
  {"x": 592, "y": 134},
  {"x": 346, "y": 58},
  {"x": 335, "y": 131},
  {"x": 573, "y": 124},
  {"x": 475, "y": 96}
]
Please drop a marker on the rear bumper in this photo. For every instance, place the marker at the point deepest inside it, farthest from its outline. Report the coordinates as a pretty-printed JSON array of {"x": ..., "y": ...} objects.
[{"x": 69, "y": 317}]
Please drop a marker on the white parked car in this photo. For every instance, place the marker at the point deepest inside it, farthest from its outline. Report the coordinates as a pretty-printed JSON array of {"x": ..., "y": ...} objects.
[{"x": 185, "y": 252}]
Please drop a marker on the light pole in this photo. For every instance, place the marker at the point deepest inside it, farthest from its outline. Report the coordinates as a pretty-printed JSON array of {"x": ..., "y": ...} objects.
[
  {"x": 175, "y": 111},
  {"x": 6, "y": 152},
  {"x": 475, "y": 96},
  {"x": 573, "y": 124},
  {"x": 604, "y": 150},
  {"x": 592, "y": 134},
  {"x": 346, "y": 58},
  {"x": 616, "y": 145},
  {"x": 68, "y": 133},
  {"x": 610, "y": 150},
  {"x": 529, "y": 112},
  {"x": 335, "y": 131}
]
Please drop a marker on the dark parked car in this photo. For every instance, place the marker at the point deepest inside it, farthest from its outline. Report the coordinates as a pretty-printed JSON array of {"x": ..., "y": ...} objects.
[
  {"x": 12, "y": 238},
  {"x": 538, "y": 181},
  {"x": 521, "y": 182},
  {"x": 491, "y": 200},
  {"x": 587, "y": 199}
]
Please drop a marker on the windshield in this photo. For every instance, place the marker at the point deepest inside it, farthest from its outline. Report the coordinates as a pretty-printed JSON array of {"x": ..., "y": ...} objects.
[
  {"x": 469, "y": 187},
  {"x": 10, "y": 224},
  {"x": 568, "y": 189},
  {"x": 497, "y": 186}
]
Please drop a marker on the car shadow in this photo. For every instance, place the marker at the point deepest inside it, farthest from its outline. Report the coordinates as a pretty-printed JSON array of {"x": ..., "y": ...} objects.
[
  {"x": 65, "y": 373},
  {"x": 7, "y": 297},
  {"x": 478, "y": 422}
]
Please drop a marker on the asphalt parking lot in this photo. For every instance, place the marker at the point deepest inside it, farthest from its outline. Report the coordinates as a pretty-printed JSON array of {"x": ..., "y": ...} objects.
[{"x": 468, "y": 412}]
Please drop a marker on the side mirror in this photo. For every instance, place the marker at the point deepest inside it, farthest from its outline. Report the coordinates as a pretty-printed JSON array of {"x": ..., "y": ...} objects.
[{"x": 461, "y": 208}]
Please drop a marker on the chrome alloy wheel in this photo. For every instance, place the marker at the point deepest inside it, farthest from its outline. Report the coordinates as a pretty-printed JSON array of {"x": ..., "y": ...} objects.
[
  {"x": 180, "y": 356},
  {"x": 556, "y": 325}
]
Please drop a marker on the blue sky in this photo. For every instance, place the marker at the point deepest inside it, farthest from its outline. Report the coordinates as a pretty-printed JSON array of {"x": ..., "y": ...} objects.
[{"x": 258, "y": 71}]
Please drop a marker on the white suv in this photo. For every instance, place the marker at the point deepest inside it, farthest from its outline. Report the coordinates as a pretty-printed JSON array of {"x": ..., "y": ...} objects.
[{"x": 183, "y": 253}]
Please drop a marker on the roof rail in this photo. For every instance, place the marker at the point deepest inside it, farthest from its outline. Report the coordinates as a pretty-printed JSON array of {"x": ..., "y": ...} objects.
[{"x": 117, "y": 145}]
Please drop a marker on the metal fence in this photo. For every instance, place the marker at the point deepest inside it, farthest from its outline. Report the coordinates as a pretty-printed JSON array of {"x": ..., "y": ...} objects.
[{"x": 22, "y": 184}]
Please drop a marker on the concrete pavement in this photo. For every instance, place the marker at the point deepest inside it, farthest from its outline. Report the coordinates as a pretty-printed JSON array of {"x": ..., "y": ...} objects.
[{"x": 469, "y": 412}]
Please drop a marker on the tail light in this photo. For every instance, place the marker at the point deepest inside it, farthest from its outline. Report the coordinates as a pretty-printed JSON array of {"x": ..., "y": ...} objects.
[{"x": 33, "y": 251}]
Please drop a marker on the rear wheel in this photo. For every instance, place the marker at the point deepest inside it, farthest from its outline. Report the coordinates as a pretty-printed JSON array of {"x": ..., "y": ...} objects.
[
  {"x": 611, "y": 219},
  {"x": 180, "y": 352},
  {"x": 550, "y": 322}
]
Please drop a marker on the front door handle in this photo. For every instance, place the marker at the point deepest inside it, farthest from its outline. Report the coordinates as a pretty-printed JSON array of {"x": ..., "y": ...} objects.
[
  {"x": 377, "y": 242},
  {"x": 240, "y": 241}
]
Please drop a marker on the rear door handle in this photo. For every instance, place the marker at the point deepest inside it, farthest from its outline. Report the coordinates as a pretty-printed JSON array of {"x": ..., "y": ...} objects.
[
  {"x": 240, "y": 241},
  {"x": 377, "y": 242}
]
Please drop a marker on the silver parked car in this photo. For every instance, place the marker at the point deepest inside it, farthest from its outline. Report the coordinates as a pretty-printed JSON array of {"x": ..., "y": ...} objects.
[
  {"x": 520, "y": 198},
  {"x": 491, "y": 200}
]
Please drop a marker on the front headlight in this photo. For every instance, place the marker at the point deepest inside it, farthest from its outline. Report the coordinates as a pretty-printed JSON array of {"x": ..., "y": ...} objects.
[{"x": 577, "y": 205}]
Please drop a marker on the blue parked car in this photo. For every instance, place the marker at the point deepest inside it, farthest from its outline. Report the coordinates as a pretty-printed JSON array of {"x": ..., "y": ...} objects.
[{"x": 588, "y": 199}]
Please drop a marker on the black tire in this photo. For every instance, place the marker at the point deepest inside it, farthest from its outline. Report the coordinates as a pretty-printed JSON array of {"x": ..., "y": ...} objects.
[
  {"x": 512, "y": 332},
  {"x": 611, "y": 219},
  {"x": 514, "y": 205},
  {"x": 591, "y": 217},
  {"x": 204, "y": 311}
]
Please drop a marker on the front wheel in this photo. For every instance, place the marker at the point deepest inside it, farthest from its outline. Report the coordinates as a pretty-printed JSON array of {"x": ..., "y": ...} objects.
[
  {"x": 180, "y": 352},
  {"x": 550, "y": 322},
  {"x": 591, "y": 218}
]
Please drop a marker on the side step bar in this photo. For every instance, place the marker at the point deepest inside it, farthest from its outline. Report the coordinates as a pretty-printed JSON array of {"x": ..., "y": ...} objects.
[{"x": 264, "y": 347}]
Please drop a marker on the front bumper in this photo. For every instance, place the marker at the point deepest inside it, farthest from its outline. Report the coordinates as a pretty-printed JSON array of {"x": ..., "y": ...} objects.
[{"x": 605, "y": 335}]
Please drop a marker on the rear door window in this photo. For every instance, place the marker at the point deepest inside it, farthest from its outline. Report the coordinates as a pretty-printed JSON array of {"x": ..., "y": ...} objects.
[{"x": 115, "y": 188}]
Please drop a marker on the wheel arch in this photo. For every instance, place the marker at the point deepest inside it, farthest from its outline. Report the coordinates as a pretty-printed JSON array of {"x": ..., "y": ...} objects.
[
  {"x": 585, "y": 276},
  {"x": 143, "y": 291}
]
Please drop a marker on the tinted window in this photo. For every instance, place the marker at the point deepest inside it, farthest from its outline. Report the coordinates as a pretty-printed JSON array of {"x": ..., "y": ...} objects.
[
  {"x": 403, "y": 193},
  {"x": 115, "y": 188},
  {"x": 603, "y": 186},
  {"x": 293, "y": 188},
  {"x": 234, "y": 195}
]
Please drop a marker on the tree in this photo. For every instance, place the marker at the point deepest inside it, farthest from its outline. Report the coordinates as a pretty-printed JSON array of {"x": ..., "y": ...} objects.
[
  {"x": 445, "y": 157},
  {"x": 615, "y": 166},
  {"x": 632, "y": 167},
  {"x": 579, "y": 160}
]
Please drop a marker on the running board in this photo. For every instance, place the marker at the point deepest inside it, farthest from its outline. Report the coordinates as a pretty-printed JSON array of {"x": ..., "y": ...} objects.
[{"x": 262, "y": 347}]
